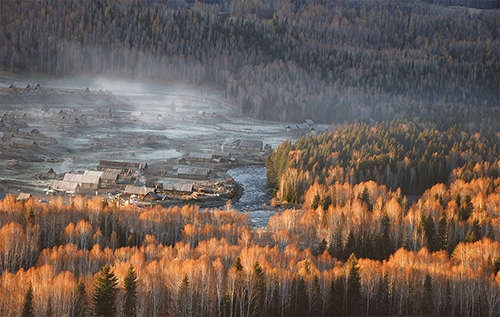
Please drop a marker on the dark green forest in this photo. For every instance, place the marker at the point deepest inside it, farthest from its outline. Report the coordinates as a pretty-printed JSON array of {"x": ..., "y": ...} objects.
[{"x": 331, "y": 61}]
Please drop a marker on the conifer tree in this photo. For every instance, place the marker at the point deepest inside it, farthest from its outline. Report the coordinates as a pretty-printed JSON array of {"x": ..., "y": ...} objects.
[
  {"x": 427, "y": 297},
  {"x": 337, "y": 288},
  {"x": 105, "y": 292},
  {"x": 130, "y": 288},
  {"x": 353, "y": 286},
  {"x": 237, "y": 264},
  {"x": 184, "y": 306},
  {"x": 79, "y": 308},
  {"x": 28, "y": 302},
  {"x": 260, "y": 287}
]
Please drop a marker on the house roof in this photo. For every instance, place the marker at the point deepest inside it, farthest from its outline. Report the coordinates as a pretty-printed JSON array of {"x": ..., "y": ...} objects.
[
  {"x": 61, "y": 169},
  {"x": 63, "y": 185},
  {"x": 21, "y": 141},
  {"x": 193, "y": 171},
  {"x": 138, "y": 190},
  {"x": 122, "y": 165},
  {"x": 200, "y": 156},
  {"x": 153, "y": 195},
  {"x": 178, "y": 187},
  {"x": 23, "y": 196},
  {"x": 109, "y": 176},
  {"x": 302, "y": 127},
  {"x": 292, "y": 127},
  {"x": 251, "y": 143},
  {"x": 93, "y": 173},
  {"x": 81, "y": 178},
  {"x": 319, "y": 129},
  {"x": 146, "y": 183},
  {"x": 309, "y": 121}
]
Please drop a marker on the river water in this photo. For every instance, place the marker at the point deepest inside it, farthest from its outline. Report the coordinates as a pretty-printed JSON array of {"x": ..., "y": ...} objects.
[{"x": 256, "y": 192}]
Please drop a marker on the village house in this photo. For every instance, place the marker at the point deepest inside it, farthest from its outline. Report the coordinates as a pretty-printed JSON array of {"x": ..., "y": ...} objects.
[
  {"x": 58, "y": 171},
  {"x": 309, "y": 123},
  {"x": 127, "y": 168},
  {"x": 318, "y": 130},
  {"x": 178, "y": 188},
  {"x": 85, "y": 181},
  {"x": 23, "y": 143},
  {"x": 193, "y": 173},
  {"x": 65, "y": 186},
  {"x": 24, "y": 197},
  {"x": 195, "y": 157},
  {"x": 250, "y": 145},
  {"x": 106, "y": 177},
  {"x": 292, "y": 128},
  {"x": 140, "y": 191}
]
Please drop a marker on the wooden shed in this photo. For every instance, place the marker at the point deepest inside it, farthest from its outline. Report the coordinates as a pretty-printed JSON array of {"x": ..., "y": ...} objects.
[
  {"x": 140, "y": 191},
  {"x": 24, "y": 197},
  {"x": 123, "y": 167},
  {"x": 196, "y": 157},
  {"x": 250, "y": 145},
  {"x": 193, "y": 172},
  {"x": 58, "y": 171},
  {"x": 65, "y": 186},
  {"x": 318, "y": 130},
  {"x": 85, "y": 181},
  {"x": 178, "y": 188}
]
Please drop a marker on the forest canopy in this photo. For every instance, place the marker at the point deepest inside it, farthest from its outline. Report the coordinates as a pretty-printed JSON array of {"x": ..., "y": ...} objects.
[{"x": 332, "y": 61}]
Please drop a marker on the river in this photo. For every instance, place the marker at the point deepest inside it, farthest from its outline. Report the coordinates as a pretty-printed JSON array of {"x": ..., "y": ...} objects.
[{"x": 256, "y": 192}]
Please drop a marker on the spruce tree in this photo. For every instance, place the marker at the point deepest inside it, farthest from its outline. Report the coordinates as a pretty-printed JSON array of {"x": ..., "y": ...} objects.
[
  {"x": 237, "y": 264},
  {"x": 260, "y": 289},
  {"x": 28, "y": 302},
  {"x": 353, "y": 286},
  {"x": 105, "y": 292},
  {"x": 427, "y": 297},
  {"x": 79, "y": 308},
  {"x": 130, "y": 289}
]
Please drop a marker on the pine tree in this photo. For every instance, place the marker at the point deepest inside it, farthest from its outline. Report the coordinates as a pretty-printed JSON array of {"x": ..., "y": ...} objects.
[
  {"x": 130, "y": 241},
  {"x": 337, "y": 296},
  {"x": 79, "y": 308},
  {"x": 184, "y": 305},
  {"x": 299, "y": 294},
  {"x": 130, "y": 288},
  {"x": 427, "y": 297},
  {"x": 105, "y": 292},
  {"x": 442, "y": 233},
  {"x": 353, "y": 286},
  {"x": 260, "y": 288},
  {"x": 28, "y": 302},
  {"x": 237, "y": 264}
]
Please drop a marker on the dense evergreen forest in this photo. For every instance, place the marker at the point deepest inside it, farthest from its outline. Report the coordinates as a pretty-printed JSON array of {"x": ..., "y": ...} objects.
[{"x": 331, "y": 61}]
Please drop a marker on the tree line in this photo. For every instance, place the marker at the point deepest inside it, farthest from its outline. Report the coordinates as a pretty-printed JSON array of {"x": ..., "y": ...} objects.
[
  {"x": 212, "y": 271},
  {"x": 331, "y": 61},
  {"x": 398, "y": 154}
]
